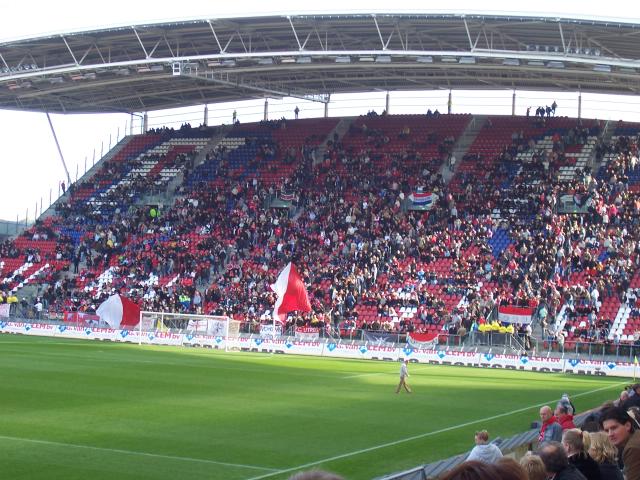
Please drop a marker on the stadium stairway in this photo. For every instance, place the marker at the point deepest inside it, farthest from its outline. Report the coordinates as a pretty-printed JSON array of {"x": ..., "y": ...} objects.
[
  {"x": 606, "y": 136},
  {"x": 341, "y": 128},
  {"x": 462, "y": 145},
  {"x": 90, "y": 173},
  {"x": 30, "y": 291},
  {"x": 168, "y": 197}
]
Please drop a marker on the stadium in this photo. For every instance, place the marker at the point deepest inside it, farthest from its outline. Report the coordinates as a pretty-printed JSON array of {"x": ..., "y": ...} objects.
[{"x": 235, "y": 299}]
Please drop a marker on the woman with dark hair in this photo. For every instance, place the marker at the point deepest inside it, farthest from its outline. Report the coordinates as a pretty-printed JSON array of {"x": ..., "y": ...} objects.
[
  {"x": 621, "y": 430},
  {"x": 573, "y": 441}
]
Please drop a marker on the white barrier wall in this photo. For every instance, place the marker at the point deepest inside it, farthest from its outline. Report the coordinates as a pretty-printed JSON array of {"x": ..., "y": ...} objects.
[{"x": 337, "y": 349}]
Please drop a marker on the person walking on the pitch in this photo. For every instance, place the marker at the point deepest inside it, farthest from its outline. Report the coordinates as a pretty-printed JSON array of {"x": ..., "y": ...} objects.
[{"x": 404, "y": 373}]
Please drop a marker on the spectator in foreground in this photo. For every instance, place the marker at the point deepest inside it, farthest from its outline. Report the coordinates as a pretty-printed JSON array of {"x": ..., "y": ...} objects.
[
  {"x": 484, "y": 451},
  {"x": 550, "y": 431},
  {"x": 509, "y": 469},
  {"x": 622, "y": 432},
  {"x": 471, "y": 470},
  {"x": 573, "y": 441},
  {"x": 606, "y": 456},
  {"x": 557, "y": 464},
  {"x": 533, "y": 466},
  {"x": 315, "y": 475},
  {"x": 505, "y": 469}
]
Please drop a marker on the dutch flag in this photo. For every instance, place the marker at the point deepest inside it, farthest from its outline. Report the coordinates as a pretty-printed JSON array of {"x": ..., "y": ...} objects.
[{"x": 422, "y": 198}]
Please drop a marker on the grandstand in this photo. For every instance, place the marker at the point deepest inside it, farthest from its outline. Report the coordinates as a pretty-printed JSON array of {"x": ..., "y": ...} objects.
[{"x": 539, "y": 214}]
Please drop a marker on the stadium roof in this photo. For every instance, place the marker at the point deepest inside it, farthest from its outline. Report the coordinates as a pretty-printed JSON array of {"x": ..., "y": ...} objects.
[{"x": 164, "y": 65}]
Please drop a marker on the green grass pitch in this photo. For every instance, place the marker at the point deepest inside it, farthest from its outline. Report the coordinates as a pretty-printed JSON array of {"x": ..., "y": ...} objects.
[{"x": 98, "y": 410}]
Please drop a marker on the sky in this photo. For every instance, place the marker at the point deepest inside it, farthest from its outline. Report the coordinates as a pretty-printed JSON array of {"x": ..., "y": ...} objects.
[{"x": 31, "y": 165}]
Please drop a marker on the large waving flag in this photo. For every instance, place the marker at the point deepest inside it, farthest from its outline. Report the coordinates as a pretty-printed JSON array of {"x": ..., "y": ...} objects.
[
  {"x": 292, "y": 294},
  {"x": 118, "y": 312}
]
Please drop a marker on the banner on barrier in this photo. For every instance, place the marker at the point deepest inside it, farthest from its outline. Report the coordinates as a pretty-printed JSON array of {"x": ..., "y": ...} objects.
[
  {"x": 86, "y": 319},
  {"x": 270, "y": 330},
  {"x": 332, "y": 348},
  {"x": 307, "y": 333}
]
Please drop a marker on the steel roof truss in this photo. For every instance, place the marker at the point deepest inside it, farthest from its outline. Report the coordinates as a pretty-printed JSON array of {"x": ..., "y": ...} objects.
[
  {"x": 215, "y": 36},
  {"x": 146, "y": 55},
  {"x": 4, "y": 62},
  {"x": 326, "y": 40},
  {"x": 564, "y": 46},
  {"x": 166, "y": 41},
  {"x": 404, "y": 42},
  {"x": 85, "y": 54},
  {"x": 472, "y": 45},
  {"x": 382, "y": 42},
  {"x": 226, "y": 78},
  {"x": 483, "y": 31},
  {"x": 244, "y": 46},
  {"x": 99, "y": 53},
  {"x": 295, "y": 34},
  {"x": 70, "y": 51},
  {"x": 155, "y": 47}
]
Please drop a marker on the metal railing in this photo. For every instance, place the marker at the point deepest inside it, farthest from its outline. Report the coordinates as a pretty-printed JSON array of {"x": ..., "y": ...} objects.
[{"x": 509, "y": 343}]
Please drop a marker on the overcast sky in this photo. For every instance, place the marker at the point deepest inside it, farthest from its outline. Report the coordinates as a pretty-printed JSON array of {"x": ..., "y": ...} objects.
[{"x": 30, "y": 162}]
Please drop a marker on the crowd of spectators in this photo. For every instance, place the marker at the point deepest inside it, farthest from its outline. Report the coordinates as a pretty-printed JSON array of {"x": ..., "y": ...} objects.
[
  {"x": 354, "y": 242},
  {"x": 605, "y": 447}
]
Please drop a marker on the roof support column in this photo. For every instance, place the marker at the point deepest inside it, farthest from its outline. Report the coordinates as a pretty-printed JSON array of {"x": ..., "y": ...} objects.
[
  {"x": 513, "y": 104},
  {"x": 206, "y": 115},
  {"x": 55, "y": 138},
  {"x": 386, "y": 104},
  {"x": 579, "y": 105},
  {"x": 145, "y": 122},
  {"x": 266, "y": 109},
  {"x": 449, "y": 102},
  {"x": 326, "y": 109}
]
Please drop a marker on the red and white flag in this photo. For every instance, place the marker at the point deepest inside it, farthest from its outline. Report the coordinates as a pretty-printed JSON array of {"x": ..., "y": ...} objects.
[
  {"x": 511, "y": 314},
  {"x": 292, "y": 294},
  {"x": 118, "y": 312}
]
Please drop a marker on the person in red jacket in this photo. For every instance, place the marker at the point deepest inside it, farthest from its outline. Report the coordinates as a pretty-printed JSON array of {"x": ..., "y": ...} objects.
[{"x": 565, "y": 419}]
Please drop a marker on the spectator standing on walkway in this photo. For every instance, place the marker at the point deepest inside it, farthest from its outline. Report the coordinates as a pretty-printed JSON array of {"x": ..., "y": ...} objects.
[{"x": 296, "y": 112}]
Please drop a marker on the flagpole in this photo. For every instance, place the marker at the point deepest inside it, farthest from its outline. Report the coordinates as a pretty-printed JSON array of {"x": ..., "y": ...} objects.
[{"x": 635, "y": 364}]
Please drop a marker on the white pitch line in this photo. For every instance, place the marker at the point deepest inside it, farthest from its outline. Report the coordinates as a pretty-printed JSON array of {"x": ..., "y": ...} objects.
[
  {"x": 131, "y": 452},
  {"x": 413, "y": 370},
  {"x": 424, "y": 435},
  {"x": 367, "y": 374}
]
